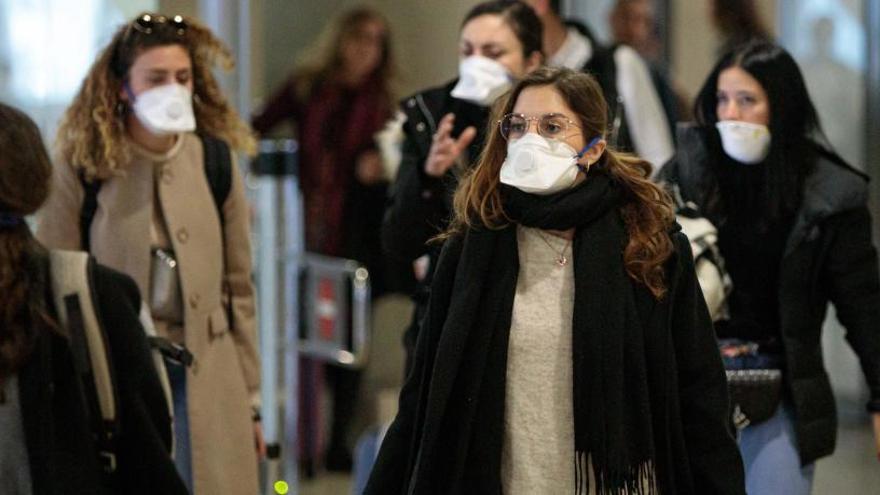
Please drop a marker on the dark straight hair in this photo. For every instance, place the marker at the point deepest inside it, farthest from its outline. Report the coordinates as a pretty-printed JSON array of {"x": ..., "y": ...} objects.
[
  {"x": 796, "y": 134},
  {"x": 520, "y": 17}
]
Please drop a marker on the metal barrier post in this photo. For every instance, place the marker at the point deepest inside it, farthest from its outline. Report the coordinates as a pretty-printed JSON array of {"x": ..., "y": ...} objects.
[{"x": 280, "y": 245}]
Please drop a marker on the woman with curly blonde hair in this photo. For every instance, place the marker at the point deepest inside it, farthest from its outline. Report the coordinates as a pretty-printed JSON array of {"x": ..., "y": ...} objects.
[
  {"x": 566, "y": 347},
  {"x": 145, "y": 181}
]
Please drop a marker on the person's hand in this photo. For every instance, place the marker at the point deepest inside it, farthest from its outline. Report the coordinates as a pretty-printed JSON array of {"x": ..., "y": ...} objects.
[
  {"x": 368, "y": 168},
  {"x": 875, "y": 419},
  {"x": 445, "y": 149},
  {"x": 259, "y": 441}
]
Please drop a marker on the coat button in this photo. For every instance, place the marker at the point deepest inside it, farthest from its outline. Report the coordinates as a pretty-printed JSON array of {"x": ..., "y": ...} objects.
[
  {"x": 194, "y": 300},
  {"x": 420, "y": 127},
  {"x": 182, "y": 236},
  {"x": 411, "y": 102}
]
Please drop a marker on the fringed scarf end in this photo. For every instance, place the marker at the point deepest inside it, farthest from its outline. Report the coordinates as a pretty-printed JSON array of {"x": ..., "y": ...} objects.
[{"x": 639, "y": 480}]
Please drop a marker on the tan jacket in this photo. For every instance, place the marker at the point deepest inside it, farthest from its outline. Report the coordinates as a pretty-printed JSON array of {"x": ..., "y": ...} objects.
[{"x": 225, "y": 377}]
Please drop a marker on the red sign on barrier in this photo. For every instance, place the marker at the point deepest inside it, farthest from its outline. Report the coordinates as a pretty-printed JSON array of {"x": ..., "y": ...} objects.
[{"x": 326, "y": 309}]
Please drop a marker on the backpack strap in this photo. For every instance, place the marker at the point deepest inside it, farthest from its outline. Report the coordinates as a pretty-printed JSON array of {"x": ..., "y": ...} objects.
[
  {"x": 89, "y": 208},
  {"x": 218, "y": 171},
  {"x": 74, "y": 299}
]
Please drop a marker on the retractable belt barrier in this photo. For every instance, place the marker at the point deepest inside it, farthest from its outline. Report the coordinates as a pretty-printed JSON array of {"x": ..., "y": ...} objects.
[{"x": 308, "y": 304}]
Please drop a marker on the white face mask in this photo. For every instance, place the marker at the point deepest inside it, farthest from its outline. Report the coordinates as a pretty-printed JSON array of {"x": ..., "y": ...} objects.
[
  {"x": 165, "y": 109},
  {"x": 481, "y": 80},
  {"x": 744, "y": 142},
  {"x": 542, "y": 166}
]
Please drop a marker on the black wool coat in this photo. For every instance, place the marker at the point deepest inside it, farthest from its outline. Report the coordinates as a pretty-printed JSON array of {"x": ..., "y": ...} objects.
[
  {"x": 828, "y": 257},
  {"x": 688, "y": 395},
  {"x": 63, "y": 459}
]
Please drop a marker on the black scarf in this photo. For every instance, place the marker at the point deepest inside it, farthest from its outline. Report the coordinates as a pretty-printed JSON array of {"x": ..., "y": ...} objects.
[{"x": 613, "y": 433}]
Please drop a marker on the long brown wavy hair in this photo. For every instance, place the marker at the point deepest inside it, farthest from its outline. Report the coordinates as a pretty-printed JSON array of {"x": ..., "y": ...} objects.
[
  {"x": 24, "y": 185},
  {"x": 323, "y": 58},
  {"x": 647, "y": 211},
  {"x": 91, "y": 136}
]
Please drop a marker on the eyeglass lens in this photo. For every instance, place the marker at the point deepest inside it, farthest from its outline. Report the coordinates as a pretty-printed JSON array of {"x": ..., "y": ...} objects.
[{"x": 514, "y": 126}]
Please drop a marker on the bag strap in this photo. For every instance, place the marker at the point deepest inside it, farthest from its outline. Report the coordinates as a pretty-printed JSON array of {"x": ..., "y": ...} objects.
[
  {"x": 89, "y": 208},
  {"x": 218, "y": 170},
  {"x": 74, "y": 299}
]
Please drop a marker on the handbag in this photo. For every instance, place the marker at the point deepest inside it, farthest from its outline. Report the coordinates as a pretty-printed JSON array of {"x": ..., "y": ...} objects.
[
  {"x": 166, "y": 300},
  {"x": 754, "y": 382}
]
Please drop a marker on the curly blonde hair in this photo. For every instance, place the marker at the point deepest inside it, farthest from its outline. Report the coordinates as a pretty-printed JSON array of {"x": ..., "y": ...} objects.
[{"x": 91, "y": 136}]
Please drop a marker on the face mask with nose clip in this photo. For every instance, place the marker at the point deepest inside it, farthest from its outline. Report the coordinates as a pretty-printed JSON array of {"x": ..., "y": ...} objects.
[
  {"x": 542, "y": 166},
  {"x": 165, "y": 109}
]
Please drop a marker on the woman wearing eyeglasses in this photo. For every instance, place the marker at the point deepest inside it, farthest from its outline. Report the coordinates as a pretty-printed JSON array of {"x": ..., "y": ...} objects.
[
  {"x": 566, "y": 346},
  {"x": 444, "y": 130},
  {"x": 146, "y": 182}
]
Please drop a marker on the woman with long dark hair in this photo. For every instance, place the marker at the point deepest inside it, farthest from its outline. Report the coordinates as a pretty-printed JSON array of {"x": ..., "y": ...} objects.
[
  {"x": 566, "y": 347},
  {"x": 444, "y": 131},
  {"x": 46, "y": 435},
  {"x": 795, "y": 233}
]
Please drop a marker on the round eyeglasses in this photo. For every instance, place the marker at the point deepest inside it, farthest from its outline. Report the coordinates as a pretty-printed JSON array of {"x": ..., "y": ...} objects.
[{"x": 551, "y": 125}]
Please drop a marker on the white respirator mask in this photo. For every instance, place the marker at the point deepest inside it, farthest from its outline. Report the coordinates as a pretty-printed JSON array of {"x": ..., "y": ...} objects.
[
  {"x": 542, "y": 166},
  {"x": 481, "y": 80},
  {"x": 165, "y": 110},
  {"x": 744, "y": 142}
]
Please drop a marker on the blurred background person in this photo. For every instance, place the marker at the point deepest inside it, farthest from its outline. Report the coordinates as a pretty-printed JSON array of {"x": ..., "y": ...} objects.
[
  {"x": 638, "y": 121},
  {"x": 737, "y": 22},
  {"x": 337, "y": 99},
  {"x": 795, "y": 233},
  {"x": 46, "y": 435},
  {"x": 129, "y": 153},
  {"x": 444, "y": 130},
  {"x": 633, "y": 23}
]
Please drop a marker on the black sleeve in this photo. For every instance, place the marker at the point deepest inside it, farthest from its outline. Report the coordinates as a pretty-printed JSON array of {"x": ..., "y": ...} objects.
[
  {"x": 853, "y": 281},
  {"x": 144, "y": 444},
  {"x": 715, "y": 462},
  {"x": 417, "y": 209},
  {"x": 397, "y": 456}
]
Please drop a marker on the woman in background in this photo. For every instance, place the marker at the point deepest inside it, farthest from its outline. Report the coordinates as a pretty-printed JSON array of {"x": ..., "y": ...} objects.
[
  {"x": 795, "y": 232},
  {"x": 337, "y": 100},
  {"x": 444, "y": 131}
]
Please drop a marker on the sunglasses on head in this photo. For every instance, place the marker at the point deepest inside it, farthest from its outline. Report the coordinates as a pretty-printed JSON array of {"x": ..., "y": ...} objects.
[{"x": 146, "y": 23}]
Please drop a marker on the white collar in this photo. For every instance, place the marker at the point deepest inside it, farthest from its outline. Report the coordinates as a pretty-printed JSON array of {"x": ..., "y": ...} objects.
[{"x": 574, "y": 53}]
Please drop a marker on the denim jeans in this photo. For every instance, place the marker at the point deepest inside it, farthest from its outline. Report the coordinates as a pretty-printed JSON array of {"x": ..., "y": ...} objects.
[
  {"x": 182, "y": 455},
  {"x": 770, "y": 455}
]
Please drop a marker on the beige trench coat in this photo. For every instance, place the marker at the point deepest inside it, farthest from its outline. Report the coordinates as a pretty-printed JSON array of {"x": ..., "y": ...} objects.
[{"x": 225, "y": 377}]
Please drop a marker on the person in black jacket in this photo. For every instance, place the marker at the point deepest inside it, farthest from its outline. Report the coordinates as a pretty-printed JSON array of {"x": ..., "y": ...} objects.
[
  {"x": 46, "y": 443},
  {"x": 794, "y": 229},
  {"x": 444, "y": 132},
  {"x": 566, "y": 347}
]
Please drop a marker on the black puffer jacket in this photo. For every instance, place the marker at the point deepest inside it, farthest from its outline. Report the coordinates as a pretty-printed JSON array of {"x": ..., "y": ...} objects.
[
  {"x": 828, "y": 256},
  {"x": 62, "y": 455},
  {"x": 420, "y": 206}
]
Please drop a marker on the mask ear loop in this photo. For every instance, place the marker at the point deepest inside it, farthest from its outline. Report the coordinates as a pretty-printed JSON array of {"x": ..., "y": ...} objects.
[{"x": 586, "y": 168}]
